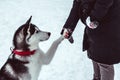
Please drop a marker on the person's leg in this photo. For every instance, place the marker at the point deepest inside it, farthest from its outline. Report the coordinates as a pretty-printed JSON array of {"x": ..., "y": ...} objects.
[
  {"x": 106, "y": 71},
  {"x": 96, "y": 69}
]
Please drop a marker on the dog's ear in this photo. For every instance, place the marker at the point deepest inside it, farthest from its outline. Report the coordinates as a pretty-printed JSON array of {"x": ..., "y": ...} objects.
[{"x": 29, "y": 20}]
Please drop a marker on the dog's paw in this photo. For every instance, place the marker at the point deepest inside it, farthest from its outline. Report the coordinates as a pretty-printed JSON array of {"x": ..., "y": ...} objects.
[
  {"x": 61, "y": 37},
  {"x": 59, "y": 40}
]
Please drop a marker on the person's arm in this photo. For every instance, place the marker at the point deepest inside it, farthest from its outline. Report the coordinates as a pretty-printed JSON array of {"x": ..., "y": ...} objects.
[{"x": 73, "y": 17}]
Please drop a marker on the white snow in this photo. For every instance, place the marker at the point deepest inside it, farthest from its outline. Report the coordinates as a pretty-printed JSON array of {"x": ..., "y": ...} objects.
[{"x": 69, "y": 63}]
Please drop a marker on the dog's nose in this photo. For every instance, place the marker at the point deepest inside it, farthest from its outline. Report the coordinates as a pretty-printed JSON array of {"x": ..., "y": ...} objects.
[{"x": 49, "y": 33}]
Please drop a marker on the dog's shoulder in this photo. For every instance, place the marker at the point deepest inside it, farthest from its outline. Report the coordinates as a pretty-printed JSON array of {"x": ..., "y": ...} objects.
[
  {"x": 12, "y": 69},
  {"x": 7, "y": 72}
]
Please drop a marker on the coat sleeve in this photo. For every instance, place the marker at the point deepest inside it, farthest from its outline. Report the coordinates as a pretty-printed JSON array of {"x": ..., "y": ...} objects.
[
  {"x": 100, "y": 9},
  {"x": 73, "y": 17}
]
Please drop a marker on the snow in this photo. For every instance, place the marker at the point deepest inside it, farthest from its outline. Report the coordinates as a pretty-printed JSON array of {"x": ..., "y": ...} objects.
[{"x": 69, "y": 63}]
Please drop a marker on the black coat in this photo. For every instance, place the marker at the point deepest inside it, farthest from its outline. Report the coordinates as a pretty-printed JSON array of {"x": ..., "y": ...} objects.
[{"x": 102, "y": 43}]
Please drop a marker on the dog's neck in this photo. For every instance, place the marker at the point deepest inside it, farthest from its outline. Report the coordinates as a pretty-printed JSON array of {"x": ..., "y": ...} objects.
[{"x": 24, "y": 53}]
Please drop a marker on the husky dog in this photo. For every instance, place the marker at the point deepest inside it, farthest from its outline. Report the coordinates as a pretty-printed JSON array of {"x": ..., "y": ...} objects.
[{"x": 27, "y": 59}]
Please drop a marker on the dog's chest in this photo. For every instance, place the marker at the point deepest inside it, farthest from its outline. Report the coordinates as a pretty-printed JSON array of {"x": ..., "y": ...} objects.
[{"x": 34, "y": 65}]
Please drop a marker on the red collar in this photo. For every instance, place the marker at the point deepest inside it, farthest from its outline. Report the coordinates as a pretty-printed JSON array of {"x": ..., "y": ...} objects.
[{"x": 24, "y": 53}]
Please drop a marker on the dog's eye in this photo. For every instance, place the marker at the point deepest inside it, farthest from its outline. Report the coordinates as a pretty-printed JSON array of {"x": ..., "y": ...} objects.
[{"x": 37, "y": 31}]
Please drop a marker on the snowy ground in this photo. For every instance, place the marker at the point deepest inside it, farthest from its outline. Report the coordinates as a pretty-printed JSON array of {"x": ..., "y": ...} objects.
[{"x": 69, "y": 63}]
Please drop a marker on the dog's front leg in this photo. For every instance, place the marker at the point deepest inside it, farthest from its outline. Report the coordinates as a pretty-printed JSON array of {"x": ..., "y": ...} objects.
[{"x": 51, "y": 52}]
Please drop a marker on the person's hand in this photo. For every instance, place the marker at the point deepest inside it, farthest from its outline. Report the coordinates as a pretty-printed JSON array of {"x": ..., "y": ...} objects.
[
  {"x": 92, "y": 24},
  {"x": 67, "y": 34}
]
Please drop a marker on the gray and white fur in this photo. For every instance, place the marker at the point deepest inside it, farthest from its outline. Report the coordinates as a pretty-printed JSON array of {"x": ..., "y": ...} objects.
[{"x": 27, "y": 38}]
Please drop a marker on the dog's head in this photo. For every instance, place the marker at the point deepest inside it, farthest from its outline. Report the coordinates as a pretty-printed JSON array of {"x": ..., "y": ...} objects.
[{"x": 28, "y": 36}]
